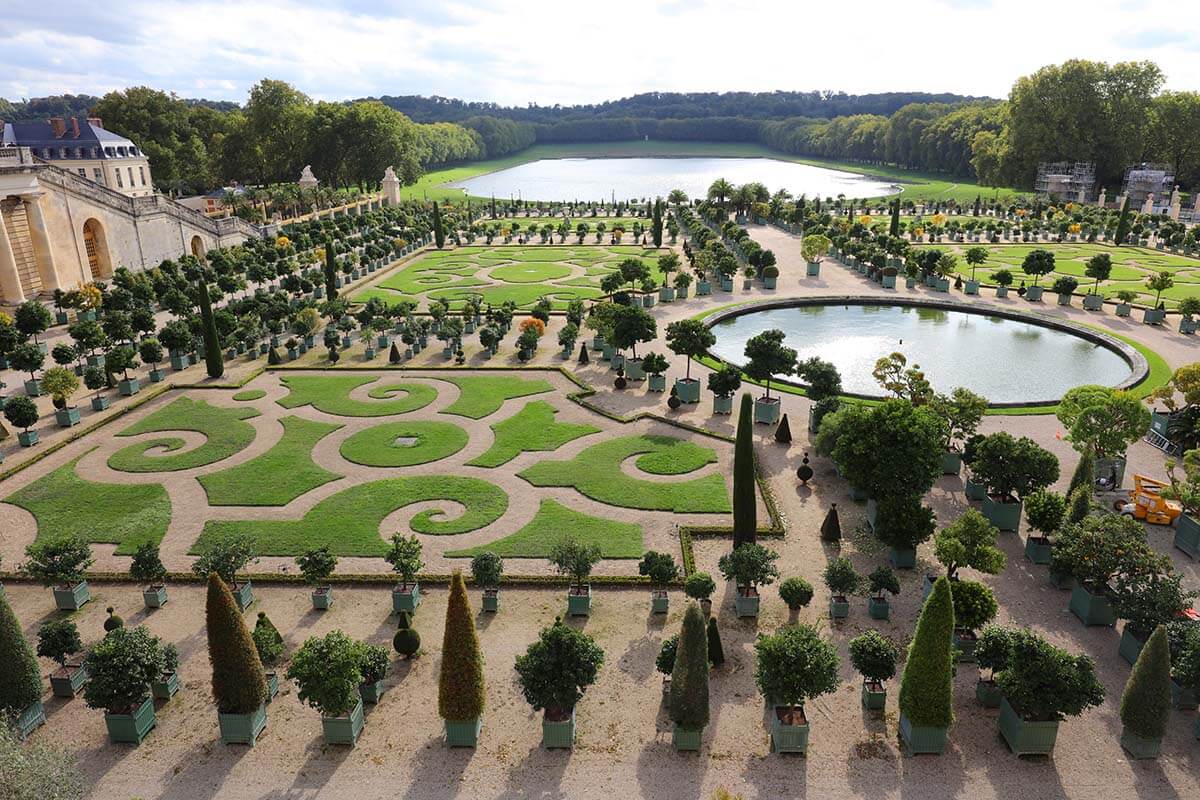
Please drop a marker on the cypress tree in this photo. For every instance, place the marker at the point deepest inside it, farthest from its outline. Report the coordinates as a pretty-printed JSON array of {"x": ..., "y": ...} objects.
[
  {"x": 656, "y": 227},
  {"x": 927, "y": 688},
  {"x": 894, "y": 229},
  {"x": 460, "y": 683},
  {"x": 330, "y": 270},
  {"x": 1123, "y": 223},
  {"x": 1079, "y": 504},
  {"x": 239, "y": 685},
  {"x": 20, "y": 679},
  {"x": 716, "y": 653},
  {"x": 493, "y": 206},
  {"x": 745, "y": 520},
  {"x": 783, "y": 433},
  {"x": 1146, "y": 703},
  {"x": 1084, "y": 475},
  {"x": 439, "y": 235},
  {"x": 212, "y": 343},
  {"x": 689, "y": 679}
]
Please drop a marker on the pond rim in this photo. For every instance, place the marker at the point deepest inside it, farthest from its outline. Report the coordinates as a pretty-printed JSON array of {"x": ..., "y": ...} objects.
[{"x": 1139, "y": 367}]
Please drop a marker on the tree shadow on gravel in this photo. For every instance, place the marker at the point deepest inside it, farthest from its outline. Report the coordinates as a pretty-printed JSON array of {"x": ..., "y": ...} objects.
[
  {"x": 437, "y": 770},
  {"x": 665, "y": 774},
  {"x": 540, "y": 774}
]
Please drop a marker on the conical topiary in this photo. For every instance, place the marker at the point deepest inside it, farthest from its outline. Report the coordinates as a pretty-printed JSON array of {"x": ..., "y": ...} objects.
[
  {"x": 583, "y": 353},
  {"x": 689, "y": 679},
  {"x": 273, "y": 358},
  {"x": 783, "y": 433},
  {"x": 927, "y": 688},
  {"x": 406, "y": 641},
  {"x": 113, "y": 622},
  {"x": 1079, "y": 504},
  {"x": 831, "y": 527},
  {"x": 239, "y": 685},
  {"x": 745, "y": 514},
  {"x": 460, "y": 683},
  {"x": 1146, "y": 703},
  {"x": 1084, "y": 475},
  {"x": 20, "y": 680},
  {"x": 716, "y": 653},
  {"x": 394, "y": 354}
]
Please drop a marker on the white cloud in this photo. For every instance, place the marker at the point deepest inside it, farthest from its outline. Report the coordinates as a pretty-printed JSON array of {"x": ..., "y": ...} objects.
[{"x": 549, "y": 52}]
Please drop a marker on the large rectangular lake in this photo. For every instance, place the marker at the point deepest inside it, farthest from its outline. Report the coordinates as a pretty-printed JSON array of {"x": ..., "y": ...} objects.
[{"x": 594, "y": 179}]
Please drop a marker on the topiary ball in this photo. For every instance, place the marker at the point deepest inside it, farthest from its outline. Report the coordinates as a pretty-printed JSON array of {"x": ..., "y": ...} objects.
[
  {"x": 406, "y": 641},
  {"x": 113, "y": 622}
]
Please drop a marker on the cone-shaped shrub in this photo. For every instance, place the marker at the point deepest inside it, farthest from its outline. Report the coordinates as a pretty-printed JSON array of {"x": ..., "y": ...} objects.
[
  {"x": 745, "y": 520},
  {"x": 394, "y": 354},
  {"x": 1084, "y": 475},
  {"x": 1146, "y": 703},
  {"x": 273, "y": 358},
  {"x": 460, "y": 684},
  {"x": 407, "y": 641},
  {"x": 20, "y": 681},
  {"x": 239, "y": 684},
  {"x": 783, "y": 433},
  {"x": 716, "y": 653},
  {"x": 831, "y": 527},
  {"x": 583, "y": 353},
  {"x": 927, "y": 688},
  {"x": 689, "y": 679}
]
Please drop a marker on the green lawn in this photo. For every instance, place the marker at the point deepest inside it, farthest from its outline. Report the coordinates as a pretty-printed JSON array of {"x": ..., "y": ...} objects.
[
  {"x": 250, "y": 394},
  {"x": 481, "y": 395},
  {"x": 331, "y": 394},
  {"x": 348, "y": 522},
  {"x": 596, "y": 473},
  {"x": 224, "y": 430},
  {"x": 552, "y": 524},
  {"x": 278, "y": 476},
  {"x": 531, "y": 429},
  {"x": 917, "y": 185},
  {"x": 403, "y": 444},
  {"x": 124, "y": 514}
]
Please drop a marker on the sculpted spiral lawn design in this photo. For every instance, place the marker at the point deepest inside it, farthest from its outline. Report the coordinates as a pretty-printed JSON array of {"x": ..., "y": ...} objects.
[
  {"x": 331, "y": 394},
  {"x": 126, "y": 515},
  {"x": 403, "y": 444},
  {"x": 531, "y": 428},
  {"x": 278, "y": 476},
  {"x": 482, "y": 395},
  {"x": 554, "y": 521},
  {"x": 348, "y": 522},
  {"x": 596, "y": 472},
  {"x": 224, "y": 430}
]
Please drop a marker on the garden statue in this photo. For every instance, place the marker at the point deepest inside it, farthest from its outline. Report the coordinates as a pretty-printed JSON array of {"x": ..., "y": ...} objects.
[{"x": 804, "y": 472}]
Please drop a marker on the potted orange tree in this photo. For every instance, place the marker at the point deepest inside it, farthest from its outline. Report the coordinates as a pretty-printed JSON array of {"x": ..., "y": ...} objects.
[
  {"x": 59, "y": 563},
  {"x": 373, "y": 663},
  {"x": 793, "y": 666},
  {"x": 147, "y": 569},
  {"x": 576, "y": 560},
  {"x": 227, "y": 557},
  {"x": 554, "y": 673},
  {"x": 58, "y": 640},
  {"x": 327, "y": 671},
  {"x": 405, "y": 558},
  {"x": 749, "y": 566},
  {"x": 875, "y": 657},
  {"x": 316, "y": 566},
  {"x": 661, "y": 569},
  {"x": 120, "y": 668},
  {"x": 487, "y": 569}
]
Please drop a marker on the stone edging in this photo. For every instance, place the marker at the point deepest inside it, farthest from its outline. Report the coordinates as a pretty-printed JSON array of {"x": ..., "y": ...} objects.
[{"x": 1138, "y": 365}]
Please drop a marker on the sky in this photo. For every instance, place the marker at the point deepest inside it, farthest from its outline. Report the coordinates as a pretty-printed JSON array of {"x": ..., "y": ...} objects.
[{"x": 517, "y": 52}]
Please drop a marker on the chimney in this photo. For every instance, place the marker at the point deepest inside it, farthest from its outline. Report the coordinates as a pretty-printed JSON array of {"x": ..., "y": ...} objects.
[
  {"x": 95, "y": 121},
  {"x": 58, "y": 126},
  {"x": 75, "y": 127}
]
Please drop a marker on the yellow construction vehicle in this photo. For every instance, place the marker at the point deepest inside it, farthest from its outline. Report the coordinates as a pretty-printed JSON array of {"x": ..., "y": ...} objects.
[{"x": 1146, "y": 502}]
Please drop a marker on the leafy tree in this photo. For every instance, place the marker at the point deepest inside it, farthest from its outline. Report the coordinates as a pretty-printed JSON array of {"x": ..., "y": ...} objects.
[
  {"x": 574, "y": 558},
  {"x": 745, "y": 513},
  {"x": 317, "y": 565},
  {"x": 558, "y": 668},
  {"x": 1158, "y": 284},
  {"x": 660, "y": 568},
  {"x": 1045, "y": 511},
  {"x": 1009, "y": 466},
  {"x": 1102, "y": 421},
  {"x": 38, "y": 771},
  {"x": 58, "y": 639},
  {"x": 796, "y": 593},
  {"x": 1038, "y": 262},
  {"x": 689, "y": 677},
  {"x": 969, "y": 541},
  {"x": 893, "y": 449},
  {"x": 226, "y": 557},
  {"x": 874, "y": 656},
  {"x": 1146, "y": 701},
  {"x": 59, "y": 561},
  {"x": 795, "y": 665},
  {"x": 960, "y": 414},
  {"x": 974, "y": 604},
  {"x": 691, "y": 338},
  {"x": 1099, "y": 267},
  {"x": 146, "y": 566},
  {"x": 239, "y": 685},
  {"x": 405, "y": 557},
  {"x": 1043, "y": 683},
  {"x": 487, "y": 569},
  {"x": 32, "y": 318},
  {"x": 630, "y": 325},
  {"x": 766, "y": 357},
  {"x": 927, "y": 685},
  {"x": 699, "y": 586},
  {"x": 460, "y": 681},
  {"x": 901, "y": 381},
  {"x": 120, "y": 668},
  {"x": 327, "y": 671},
  {"x": 749, "y": 565}
]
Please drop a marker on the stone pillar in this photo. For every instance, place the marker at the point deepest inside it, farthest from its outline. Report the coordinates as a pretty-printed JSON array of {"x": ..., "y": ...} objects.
[
  {"x": 10, "y": 281},
  {"x": 42, "y": 250},
  {"x": 391, "y": 188}
]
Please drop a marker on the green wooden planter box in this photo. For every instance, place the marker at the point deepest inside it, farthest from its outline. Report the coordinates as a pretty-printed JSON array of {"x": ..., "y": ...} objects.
[
  {"x": 406, "y": 597},
  {"x": 243, "y": 593},
  {"x": 1093, "y": 302},
  {"x": 166, "y": 686},
  {"x": 660, "y": 603},
  {"x": 242, "y": 728},
  {"x": 971, "y": 287},
  {"x": 1130, "y": 646},
  {"x": 874, "y": 697},
  {"x": 1184, "y": 699},
  {"x": 1092, "y": 609},
  {"x": 272, "y": 685},
  {"x": 839, "y": 607},
  {"x": 558, "y": 734},
  {"x": 129, "y": 387},
  {"x": 687, "y": 390},
  {"x": 100, "y": 402},
  {"x": 154, "y": 596},
  {"x": 68, "y": 685},
  {"x": 889, "y": 281},
  {"x": 1037, "y": 549},
  {"x": 788, "y": 738},
  {"x": 491, "y": 600},
  {"x": 685, "y": 739},
  {"x": 33, "y": 388},
  {"x": 919, "y": 739},
  {"x": 66, "y": 417},
  {"x": 767, "y": 411},
  {"x": 1137, "y": 747},
  {"x": 322, "y": 597},
  {"x": 1001, "y": 291},
  {"x": 951, "y": 463},
  {"x": 722, "y": 404},
  {"x": 746, "y": 605},
  {"x": 72, "y": 598},
  {"x": 344, "y": 729},
  {"x": 1005, "y": 516},
  {"x": 879, "y": 608},
  {"x": 131, "y": 728},
  {"x": 1034, "y": 294},
  {"x": 1024, "y": 737},
  {"x": 1153, "y": 316},
  {"x": 33, "y": 717},
  {"x": 903, "y": 557},
  {"x": 813, "y": 269},
  {"x": 371, "y": 692},
  {"x": 988, "y": 693},
  {"x": 27, "y": 438},
  {"x": 579, "y": 605},
  {"x": 1187, "y": 535},
  {"x": 1124, "y": 309},
  {"x": 1064, "y": 299},
  {"x": 463, "y": 733},
  {"x": 658, "y": 383},
  {"x": 974, "y": 491},
  {"x": 633, "y": 369}
]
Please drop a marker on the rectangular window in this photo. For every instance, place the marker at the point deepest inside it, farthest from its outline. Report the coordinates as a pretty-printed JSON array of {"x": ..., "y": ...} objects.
[
  {"x": 82, "y": 172},
  {"x": 117, "y": 172},
  {"x": 130, "y": 177},
  {"x": 98, "y": 176},
  {"x": 142, "y": 174}
]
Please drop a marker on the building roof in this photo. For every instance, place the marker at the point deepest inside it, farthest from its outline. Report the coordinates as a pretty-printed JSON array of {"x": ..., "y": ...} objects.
[{"x": 93, "y": 141}]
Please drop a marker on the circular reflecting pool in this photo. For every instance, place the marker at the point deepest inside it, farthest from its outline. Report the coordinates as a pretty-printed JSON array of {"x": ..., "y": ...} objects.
[{"x": 1005, "y": 360}]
